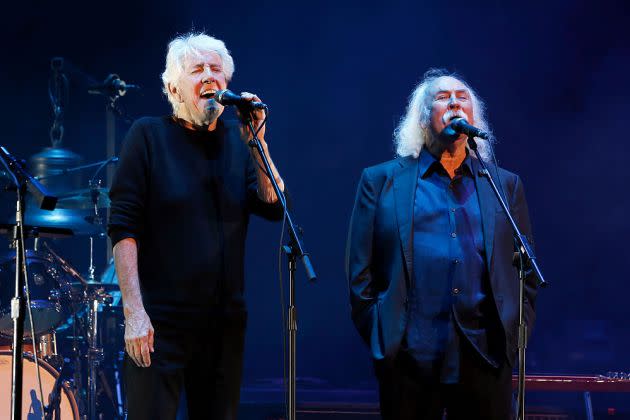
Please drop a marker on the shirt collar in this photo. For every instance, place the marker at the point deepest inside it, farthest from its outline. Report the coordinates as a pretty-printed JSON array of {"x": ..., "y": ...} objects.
[{"x": 427, "y": 163}]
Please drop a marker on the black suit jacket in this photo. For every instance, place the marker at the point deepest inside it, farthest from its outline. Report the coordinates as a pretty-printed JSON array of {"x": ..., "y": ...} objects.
[{"x": 379, "y": 253}]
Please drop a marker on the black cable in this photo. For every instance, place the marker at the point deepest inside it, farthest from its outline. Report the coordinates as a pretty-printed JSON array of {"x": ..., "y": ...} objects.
[{"x": 27, "y": 291}]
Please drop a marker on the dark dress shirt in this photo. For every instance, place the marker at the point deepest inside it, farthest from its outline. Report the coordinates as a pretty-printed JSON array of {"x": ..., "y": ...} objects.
[{"x": 450, "y": 280}]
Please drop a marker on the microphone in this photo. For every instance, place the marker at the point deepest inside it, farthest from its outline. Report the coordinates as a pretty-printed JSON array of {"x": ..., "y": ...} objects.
[
  {"x": 112, "y": 86},
  {"x": 227, "y": 97},
  {"x": 460, "y": 125}
]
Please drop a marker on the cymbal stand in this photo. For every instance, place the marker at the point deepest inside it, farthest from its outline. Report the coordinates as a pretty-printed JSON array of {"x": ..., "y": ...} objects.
[
  {"x": 91, "y": 268},
  {"x": 95, "y": 352},
  {"x": 77, "y": 364},
  {"x": 95, "y": 185}
]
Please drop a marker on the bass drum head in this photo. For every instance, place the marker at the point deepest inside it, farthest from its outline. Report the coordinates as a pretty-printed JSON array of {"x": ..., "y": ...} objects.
[{"x": 31, "y": 407}]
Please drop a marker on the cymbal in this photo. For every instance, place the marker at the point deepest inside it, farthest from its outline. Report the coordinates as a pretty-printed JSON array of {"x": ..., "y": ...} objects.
[
  {"x": 84, "y": 199},
  {"x": 39, "y": 231},
  {"x": 80, "y": 222}
]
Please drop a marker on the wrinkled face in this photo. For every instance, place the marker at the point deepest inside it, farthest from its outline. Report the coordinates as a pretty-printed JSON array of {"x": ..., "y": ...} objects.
[
  {"x": 201, "y": 77},
  {"x": 450, "y": 98}
]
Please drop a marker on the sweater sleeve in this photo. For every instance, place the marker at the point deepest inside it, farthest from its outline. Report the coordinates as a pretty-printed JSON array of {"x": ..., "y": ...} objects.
[
  {"x": 129, "y": 188},
  {"x": 269, "y": 211}
]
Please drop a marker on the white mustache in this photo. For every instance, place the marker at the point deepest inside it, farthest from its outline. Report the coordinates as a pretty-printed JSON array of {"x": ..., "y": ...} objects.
[{"x": 446, "y": 118}]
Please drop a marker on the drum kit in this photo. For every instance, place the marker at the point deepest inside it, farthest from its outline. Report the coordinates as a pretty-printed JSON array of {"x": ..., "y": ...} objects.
[
  {"x": 73, "y": 352},
  {"x": 73, "y": 342}
]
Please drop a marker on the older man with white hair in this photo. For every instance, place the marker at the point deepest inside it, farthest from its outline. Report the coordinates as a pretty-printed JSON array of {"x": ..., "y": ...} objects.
[
  {"x": 433, "y": 289},
  {"x": 181, "y": 199}
]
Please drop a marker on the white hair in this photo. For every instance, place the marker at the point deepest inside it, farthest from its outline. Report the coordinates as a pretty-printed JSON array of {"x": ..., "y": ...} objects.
[
  {"x": 191, "y": 45},
  {"x": 414, "y": 130}
]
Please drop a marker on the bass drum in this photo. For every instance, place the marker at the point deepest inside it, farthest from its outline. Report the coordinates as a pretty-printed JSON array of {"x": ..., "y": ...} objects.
[{"x": 31, "y": 407}]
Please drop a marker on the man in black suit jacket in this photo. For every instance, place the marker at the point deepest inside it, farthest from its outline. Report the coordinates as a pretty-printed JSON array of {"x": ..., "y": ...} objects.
[{"x": 433, "y": 288}]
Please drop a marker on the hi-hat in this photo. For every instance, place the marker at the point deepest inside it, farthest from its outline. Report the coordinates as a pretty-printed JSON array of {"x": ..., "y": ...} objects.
[{"x": 84, "y": 199}]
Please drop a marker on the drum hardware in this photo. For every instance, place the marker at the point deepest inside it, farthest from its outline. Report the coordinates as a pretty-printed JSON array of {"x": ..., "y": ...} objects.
[
  {"x": 79, "y": 211},
  {"x": 47, "y": 350},
  {"x": 56, "y": 280},
  {"x": 49, "y": 286},
  {"x": 53, "y": 288},
  {"x": 95, "y": 351},
  {"x": 57, "y": 283},
  {"x": 56, "y": 287},
  {"x": 94, "y": 295},
  {"x": 52, "y": 410}
]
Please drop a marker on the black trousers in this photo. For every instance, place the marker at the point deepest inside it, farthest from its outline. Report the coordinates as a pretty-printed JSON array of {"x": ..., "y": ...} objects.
[
  {"x": 207, "y": 362},
  {"x": 483, "y": 392}
]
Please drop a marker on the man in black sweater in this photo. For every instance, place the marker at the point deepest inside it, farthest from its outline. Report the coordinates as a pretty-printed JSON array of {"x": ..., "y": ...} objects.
[{"x": 181, "y": 199}]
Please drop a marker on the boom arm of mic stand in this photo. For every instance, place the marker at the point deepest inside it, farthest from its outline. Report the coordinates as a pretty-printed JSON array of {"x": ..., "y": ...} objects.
[
  {"x": 295, "y": 239},
  {"x": 45, "y": 200}
]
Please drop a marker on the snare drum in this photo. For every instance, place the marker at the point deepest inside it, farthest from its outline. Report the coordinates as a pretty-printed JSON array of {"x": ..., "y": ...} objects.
[{"x": 31, "y": 407}]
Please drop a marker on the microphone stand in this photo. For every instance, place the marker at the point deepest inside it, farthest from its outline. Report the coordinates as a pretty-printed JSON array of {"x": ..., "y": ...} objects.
[
  {"x": 24, "y": 182},
  {"x": 525, "y": 258},
  {"x": 112, "y": 88},
  {"x": 293, "y": 250}
]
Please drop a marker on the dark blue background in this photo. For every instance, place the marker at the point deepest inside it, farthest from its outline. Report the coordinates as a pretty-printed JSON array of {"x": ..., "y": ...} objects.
[{"x": 337, "y": 75}]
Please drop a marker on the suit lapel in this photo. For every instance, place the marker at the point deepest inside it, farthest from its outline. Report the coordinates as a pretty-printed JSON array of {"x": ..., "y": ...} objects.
[
  {"x": 405, "y": 177},
  {"x": 488, "y": 207}
]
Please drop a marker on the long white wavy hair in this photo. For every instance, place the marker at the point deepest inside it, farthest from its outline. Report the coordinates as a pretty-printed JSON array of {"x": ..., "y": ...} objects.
[
  {"x": 414, "y": 130},
  {"x": 191, "y": 44}
]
